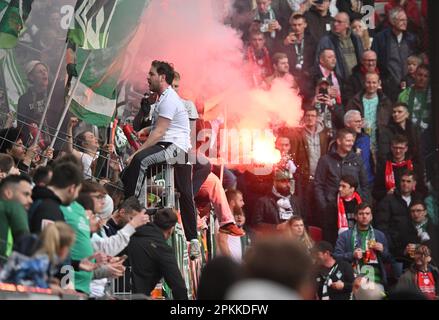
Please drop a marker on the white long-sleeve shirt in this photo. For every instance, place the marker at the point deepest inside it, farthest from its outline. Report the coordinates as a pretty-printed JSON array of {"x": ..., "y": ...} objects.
[{"x": 112, "y": 245}]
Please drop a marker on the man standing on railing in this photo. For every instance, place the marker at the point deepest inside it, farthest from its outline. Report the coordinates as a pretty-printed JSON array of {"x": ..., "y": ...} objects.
[{"x": 168, "y": 141}]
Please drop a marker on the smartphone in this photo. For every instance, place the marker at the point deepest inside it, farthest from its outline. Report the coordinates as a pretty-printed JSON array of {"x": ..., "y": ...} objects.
[{"x": 323, "y": 91}]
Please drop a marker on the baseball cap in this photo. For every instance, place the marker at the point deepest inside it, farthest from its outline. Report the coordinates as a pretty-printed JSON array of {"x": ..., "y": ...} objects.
[
  {"x": 30, "y": 66},
  {"x": 282, "y": 175}
]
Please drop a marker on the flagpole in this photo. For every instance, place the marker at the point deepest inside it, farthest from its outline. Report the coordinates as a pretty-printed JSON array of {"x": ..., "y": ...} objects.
[
  {"x": 113, "y": 127},
  {"x": 226, "y": 142},
  {"x": 49, "y": 98},
  {"x": 69, "y": 101}
]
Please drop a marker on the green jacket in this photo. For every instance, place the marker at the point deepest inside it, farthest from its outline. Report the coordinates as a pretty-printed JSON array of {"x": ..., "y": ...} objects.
[
  {"x": 13, "y": 218},
  {"x": 419, "y": 103},
  {"x": 75, "y": 217}
]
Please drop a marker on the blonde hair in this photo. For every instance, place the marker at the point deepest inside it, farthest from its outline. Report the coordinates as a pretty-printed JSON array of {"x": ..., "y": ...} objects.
[
  {"x": 54, "y": 237},
  {"x": 305, "y": 239},
  {"x": 416, "y": 58},
  {"x": 365, "y": 39}
]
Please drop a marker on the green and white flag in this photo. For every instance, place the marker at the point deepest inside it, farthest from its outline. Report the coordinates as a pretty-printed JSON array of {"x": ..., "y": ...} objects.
[
  {"x": 99, "y": 24},
  {"x": 12, "y": 77},
  {"x": 94, "y": 100},
  {"x": 91, "y": 23},
  {"x": 13, "y": 14}
]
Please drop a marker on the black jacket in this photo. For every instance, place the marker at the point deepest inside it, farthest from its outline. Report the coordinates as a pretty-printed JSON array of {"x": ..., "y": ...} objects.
[
  {"x": 386, "y": 134},
  {"x": 330, "y": 168},
  {"x": 382, "y": 44},
  {"x": 266, "y": 210},
  {"x": 354, "y": 85},
  {"x": 112, "y": 228},
  {"x": 141, "y": 119},
  {"x": 410, "y": 235},
  {"x": 392, "y": 217},
  {"x": 302, "y": 76},
  {"x": 343, "y": 272},
  {"x": 151, "y": 258},
  {"x": 346, "y": 6},
  {"x": 46, "y": 206},
  {"x": 317, "y": 25},
  {"x": 30, "y": 109}
]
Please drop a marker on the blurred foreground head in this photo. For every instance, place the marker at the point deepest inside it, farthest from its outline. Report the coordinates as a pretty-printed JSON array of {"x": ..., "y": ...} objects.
[
  {"x": 217, "y": 277},
  {"x": 276, "y": 269}
]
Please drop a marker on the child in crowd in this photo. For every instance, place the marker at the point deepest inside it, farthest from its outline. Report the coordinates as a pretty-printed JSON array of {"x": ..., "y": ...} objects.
[{"x": 413, "y": 62}]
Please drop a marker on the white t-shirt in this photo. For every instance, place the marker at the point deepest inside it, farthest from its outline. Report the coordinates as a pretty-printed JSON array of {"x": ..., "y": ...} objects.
[
  {"x": 235, "y": 247},
  {"x": 191, "y": 109},
  {"x": 170, "y": 106},
  {"x": 234, "y": 244},
  {"x": 87, "y": 161}
]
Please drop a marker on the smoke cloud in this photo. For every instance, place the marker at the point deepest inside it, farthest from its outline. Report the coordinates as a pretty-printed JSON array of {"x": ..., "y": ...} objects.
[{"x": 209, "y": 56}]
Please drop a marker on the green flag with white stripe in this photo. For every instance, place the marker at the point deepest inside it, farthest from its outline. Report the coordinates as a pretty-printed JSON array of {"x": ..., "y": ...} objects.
[
  {"x": 13, "y": 14},
  {"x": 12, "y": 77},
  {"x": 105, "y": 28}
]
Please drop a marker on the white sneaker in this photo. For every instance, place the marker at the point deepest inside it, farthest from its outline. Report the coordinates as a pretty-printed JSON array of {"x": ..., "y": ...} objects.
[{"x": 194, "y": 249}]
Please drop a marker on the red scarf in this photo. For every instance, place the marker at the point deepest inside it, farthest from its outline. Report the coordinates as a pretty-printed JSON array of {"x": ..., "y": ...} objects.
[
  {"x": 364, "y": 71},
  {"x": 390, "y": 176},
  {"x": 260, "y": 71},
  {"x": 342, "y": 222}
]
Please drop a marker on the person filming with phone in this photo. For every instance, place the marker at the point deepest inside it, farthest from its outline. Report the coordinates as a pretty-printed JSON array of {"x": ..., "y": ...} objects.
[{"x": 330, "y": 112}]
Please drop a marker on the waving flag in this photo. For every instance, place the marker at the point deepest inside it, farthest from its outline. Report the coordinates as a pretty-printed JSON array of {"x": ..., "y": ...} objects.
[
  {"x": 91, "y": 23},
  {"x": 12, "y": 77},
  {"x": 13, "y": 14},
  {"x": 105, "y": 27}
]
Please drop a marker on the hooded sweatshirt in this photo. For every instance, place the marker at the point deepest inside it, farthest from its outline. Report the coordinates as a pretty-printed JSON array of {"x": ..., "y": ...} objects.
[
  {"x": 45, "y": 209},
  {"x": 151, "y": 258}
]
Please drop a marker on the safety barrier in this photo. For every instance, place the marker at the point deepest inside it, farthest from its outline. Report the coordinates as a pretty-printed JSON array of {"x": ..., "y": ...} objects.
[{"x": 160, "y": 192}]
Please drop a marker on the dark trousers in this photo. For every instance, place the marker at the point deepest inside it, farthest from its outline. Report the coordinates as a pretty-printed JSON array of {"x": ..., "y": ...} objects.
[
  {"x": 305, "y": 192},
  {"x": 135, "y": 175},
  {"x": 330, "y": 230},
  {"x": 202, "y": 169}
]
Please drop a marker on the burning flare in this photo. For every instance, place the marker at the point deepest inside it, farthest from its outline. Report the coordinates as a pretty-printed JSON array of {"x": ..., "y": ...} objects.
[{"x": 265, "y": 152}]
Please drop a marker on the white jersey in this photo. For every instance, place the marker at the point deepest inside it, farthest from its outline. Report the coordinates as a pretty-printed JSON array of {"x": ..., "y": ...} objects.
[{"x": 171, "y": 106}]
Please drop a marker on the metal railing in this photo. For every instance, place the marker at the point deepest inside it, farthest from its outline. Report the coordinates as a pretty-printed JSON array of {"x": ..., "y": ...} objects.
[{"x": 160, "y": 192}]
